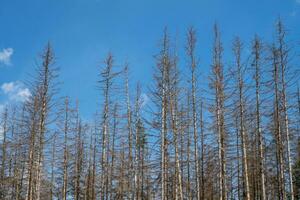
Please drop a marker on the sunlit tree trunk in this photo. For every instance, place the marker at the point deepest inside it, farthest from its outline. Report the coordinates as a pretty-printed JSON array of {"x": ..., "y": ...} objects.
[
  {"x": 32, "y": 151},
  {"x": 277, "y": 127},
  {"x": 4, "y": 152},
  {"x": 138, "y": 147},
  {"x": 237, "y": 47},
  {"x": 164, "y": 63},
  {"x": 218, "y": 85},
  {"x": 52, "y": 167},
  {"x": 66, "y": 151},
  {"x": 193, "y": 62},
  {"x": 188, "y": 148},
  {"x": 283, "y": 59},
  {"x": 79, "y": 156},
  {"x": 106, "y": 76},
  {"x": 257, "y": 48},
  {"x": 112, "y": 171},
  {"x": 46, "y": 76},
  {"x": 131, "y": 182},
  {"x": 202, "y": 152},
  {"x": 173, "y": 104}
]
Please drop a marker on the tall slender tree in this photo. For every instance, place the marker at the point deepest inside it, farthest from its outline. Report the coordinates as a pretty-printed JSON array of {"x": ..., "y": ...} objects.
[
  {"x": 237, "y": 49},
  {"x": 283, "y": 54},
  {"x": 191, "y": 45},
  {"x": 257, "y": 59},
  {"x": 218, "y": 86},
  {"x": 277, "y": 127}
]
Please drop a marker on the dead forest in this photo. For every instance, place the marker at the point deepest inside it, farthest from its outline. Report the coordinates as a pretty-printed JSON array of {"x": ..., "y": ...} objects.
[{"x": 233, "y": 134}]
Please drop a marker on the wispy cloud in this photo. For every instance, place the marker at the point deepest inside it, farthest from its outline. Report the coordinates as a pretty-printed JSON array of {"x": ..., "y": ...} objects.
[
  {"x": 298, "y": 1},
  {"x": 144, "y": 99},
  {"x": 16, "y": 91},
  {"x": 5, "y": 56}
]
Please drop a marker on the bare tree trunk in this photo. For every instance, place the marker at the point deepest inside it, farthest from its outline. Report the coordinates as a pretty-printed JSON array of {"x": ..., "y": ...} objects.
[
  {"x": 138, "y": 146},
  {"x": 277, "y": 127},
  {"x": 202, "y": 151},
  {"x": 44, "y": 97},
  {"x": 52, "y": 167},
  {"x": 121, "y": 192},
  {"x": 107, "y": 81},
  {"x": 22, "y": 154},
  {"x": 4, "y": 152},
  {"x": 129, "y": 129},
  {"x": 178, "y": 185},
  {"x": 66, "y": 151},
  {"x": 88, "y": 181},
  {"x": 257, "y": 57},
  {"x": 219, "y": 98},
  {"x": 238, "y": 157},
  {"x": 115, "y": 122},
  {"x": 191, "y": 52},
  {"x": 164, "y": 61},
  {"x": 93, "y": 181},
  {"x": 283, "y": 59},
  {"x": 241, "y": 105},
  {"x": 188, "y": 149},
  {"x": 16, "y": 158},
  {"x": 79, "y": 156},
  {"x": 32, "y": 149}
]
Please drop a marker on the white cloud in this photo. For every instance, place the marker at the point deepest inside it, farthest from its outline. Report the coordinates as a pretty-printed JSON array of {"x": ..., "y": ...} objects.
[
  {"x": 298, "y": 1},
  {"x": 5, "y": 56},
  {"x": 16, "y": 91},
  {"x": 24, "y": 93},
  {"x": 144, "y": 99},
  {"x": 8, "y": 87}
]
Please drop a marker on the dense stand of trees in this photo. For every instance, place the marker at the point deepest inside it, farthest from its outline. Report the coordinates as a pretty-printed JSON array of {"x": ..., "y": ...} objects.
[{"x": 236, "y": 137}]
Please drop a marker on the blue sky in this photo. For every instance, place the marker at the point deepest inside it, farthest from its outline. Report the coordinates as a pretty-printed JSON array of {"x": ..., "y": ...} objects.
[{"x": 82, "y": 32}]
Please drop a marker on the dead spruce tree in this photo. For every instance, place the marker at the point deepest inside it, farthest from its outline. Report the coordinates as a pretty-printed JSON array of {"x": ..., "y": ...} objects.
[
  {"x": 66, "y": 151},
  {"x": 53, "y": 158},
  {"x": 191, "y": 45},
  {"x": 173, "y": 96},
  {"x": 256, "y": 64},
  {"x": 131, "y": 187},
  {"x": 218, "y": 87},
  {"x": 283, "y": 59},
  {"x": 232, "y": 139},
  {"x": 79, "y": 155},
  {"x": 140, "y": 149},
  {"x": 4, "y": 133},
  {"x": 107, "y": 76},
  {"x": 41, "y": 101},
  {"x": 240, "y": 82},
  {"x": 161, "y": 95},
  {"x": 277, "y": 127},
  {"x": 113, "y": 149}
]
